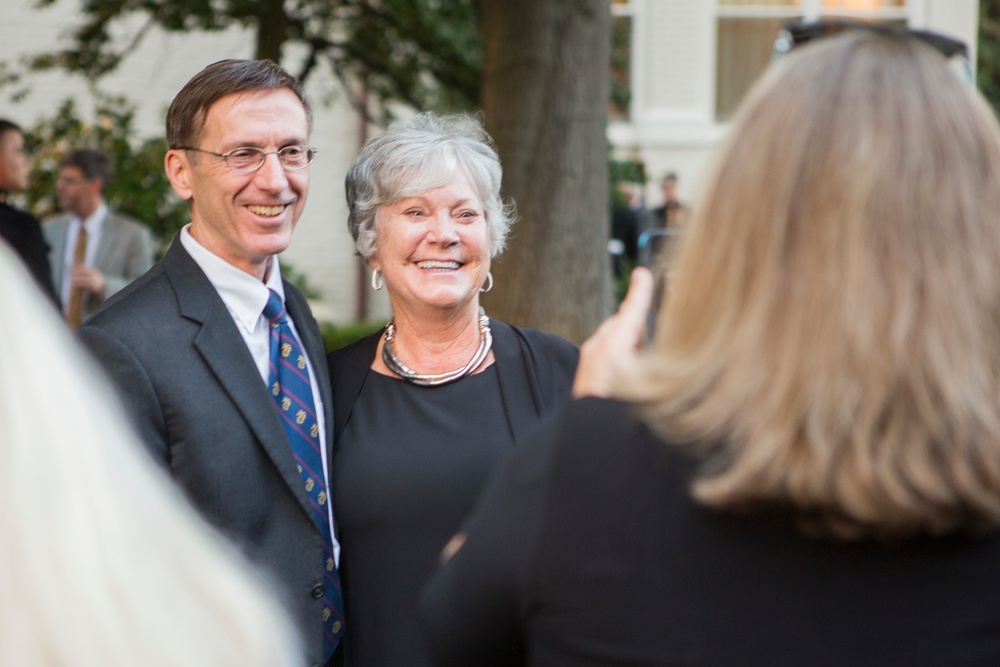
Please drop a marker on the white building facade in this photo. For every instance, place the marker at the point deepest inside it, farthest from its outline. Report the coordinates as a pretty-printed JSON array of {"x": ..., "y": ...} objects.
[
  {"x": 691, "y": 61},
  {"x": 688, "y": 63}
]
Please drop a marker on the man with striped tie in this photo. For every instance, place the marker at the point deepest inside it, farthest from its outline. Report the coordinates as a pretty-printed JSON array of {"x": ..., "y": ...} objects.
[{"x": 219, "y": 361}]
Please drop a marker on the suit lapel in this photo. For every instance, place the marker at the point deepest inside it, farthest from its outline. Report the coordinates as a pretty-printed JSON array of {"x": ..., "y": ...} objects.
[
  {"x": 222, "y": 348},
  {"x": 109, "y": 237},
  {"x": 57, "y": 255},
  {"x": 522, "y": 404},
  {"x": 352, "y": 372}
]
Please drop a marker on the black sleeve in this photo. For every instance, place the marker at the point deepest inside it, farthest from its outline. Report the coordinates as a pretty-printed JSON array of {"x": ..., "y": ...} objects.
[
  {"x": 473, "y": 609},
  {"x": 24, "y": 233}
]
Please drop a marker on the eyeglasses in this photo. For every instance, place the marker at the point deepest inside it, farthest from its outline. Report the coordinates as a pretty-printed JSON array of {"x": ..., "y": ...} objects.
[
  {"x": 793, "y": 35},
  {"x": 72, "y": 181},
  {"x": 247, "y": 158}
]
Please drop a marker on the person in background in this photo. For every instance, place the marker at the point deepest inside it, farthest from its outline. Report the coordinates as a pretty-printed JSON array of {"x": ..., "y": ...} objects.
[
  {"x": 103, "y": 562},
  {"x": 804, "y": 468},
  {"x": 218, "y": 360},
  {"x": 629, "y": 220},
  {"x": 424, "y": 408},
  {"x": 19, "y": 228},
  {"x": 672, "y": 213},
  {"x": 95, "y": 251}
]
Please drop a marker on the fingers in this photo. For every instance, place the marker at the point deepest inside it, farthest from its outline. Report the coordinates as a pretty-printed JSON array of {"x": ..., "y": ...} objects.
[
  {"x": 634, "y": 309},
  {"x": 612, "y": 347},
  {"x": 450, "y": 549},
  {"x": 88, "y": 278}
]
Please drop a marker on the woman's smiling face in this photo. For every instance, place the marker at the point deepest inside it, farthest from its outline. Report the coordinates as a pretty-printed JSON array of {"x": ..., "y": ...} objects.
[{"x": 433, "y": 248}]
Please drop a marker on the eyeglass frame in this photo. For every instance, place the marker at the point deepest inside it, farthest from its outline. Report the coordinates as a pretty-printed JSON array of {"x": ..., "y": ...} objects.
[
  {"x": 794, "y": 34},
  {"x": 309, "y": 150}
]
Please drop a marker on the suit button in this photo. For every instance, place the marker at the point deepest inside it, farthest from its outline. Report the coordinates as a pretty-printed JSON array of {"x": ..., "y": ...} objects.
[{"x": 317, "y": 591}]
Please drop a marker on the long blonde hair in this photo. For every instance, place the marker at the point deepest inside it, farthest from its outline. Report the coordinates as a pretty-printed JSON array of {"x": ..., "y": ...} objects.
[
  {"x": 102, "y": 562},
  {"x": 831, "y": 338}
]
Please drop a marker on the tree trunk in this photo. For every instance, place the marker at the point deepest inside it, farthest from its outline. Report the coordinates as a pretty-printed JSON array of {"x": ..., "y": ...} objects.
[
  {"x": 272, "y": 31},
  {"x": 545, "y": 93}
]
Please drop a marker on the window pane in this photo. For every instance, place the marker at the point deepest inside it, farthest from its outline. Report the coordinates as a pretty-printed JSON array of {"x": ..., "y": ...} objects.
[
  {"x": 745, "y": 47},
  {"x": 760, "y": 3},
  {"x": 621, "y": 68},
  {"x": 862, "y": 5},
  {"x": 899, "y": 23}
]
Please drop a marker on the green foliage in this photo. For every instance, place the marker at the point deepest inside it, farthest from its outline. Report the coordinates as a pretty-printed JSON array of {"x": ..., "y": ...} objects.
[
  {"x": 988, "y": 52},
  {"x": 621, "y": 75},
  {"x": 139, "y": 187},
  {"x": 623, "y": 171},
  {"x": 297, "y": 278},
  {"x": 422, "y": 53},
  {"x": 336, "y": 337}
]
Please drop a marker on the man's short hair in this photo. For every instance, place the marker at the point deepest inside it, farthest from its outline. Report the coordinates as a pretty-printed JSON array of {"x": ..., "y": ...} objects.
[
  {"x": 9, "y": 126},
  {"x": 92, "y": 163},
  {"x": 186, "y": 116}
]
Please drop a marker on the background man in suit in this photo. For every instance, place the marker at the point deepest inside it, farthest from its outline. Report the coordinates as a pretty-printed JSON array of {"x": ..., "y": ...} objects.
[
  {"x": 89, "y": 267},
  {"x": 673, "y": 213},
  {"x": 19, "y": 228},
  {"x": 189, "y": 346}
]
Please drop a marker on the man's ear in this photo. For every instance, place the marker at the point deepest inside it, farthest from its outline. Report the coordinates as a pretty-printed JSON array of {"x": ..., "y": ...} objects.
[{"x": 178, "y": 169}]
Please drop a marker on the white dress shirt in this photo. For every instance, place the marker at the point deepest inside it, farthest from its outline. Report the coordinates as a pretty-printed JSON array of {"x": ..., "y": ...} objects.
[{"x": 245, "y": 297}]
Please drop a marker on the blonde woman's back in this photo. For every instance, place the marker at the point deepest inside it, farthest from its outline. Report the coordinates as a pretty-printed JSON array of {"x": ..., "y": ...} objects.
[{"x": 589, "y": 550}]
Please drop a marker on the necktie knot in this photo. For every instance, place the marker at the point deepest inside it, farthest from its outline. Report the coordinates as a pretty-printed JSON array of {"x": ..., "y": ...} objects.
[{"x": 274, "y": 310}]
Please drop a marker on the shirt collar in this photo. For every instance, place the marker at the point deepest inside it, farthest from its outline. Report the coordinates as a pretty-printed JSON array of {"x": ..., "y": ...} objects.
[
  {"x": 243, "y": 294},
  {"x": 94, "y": 221}
]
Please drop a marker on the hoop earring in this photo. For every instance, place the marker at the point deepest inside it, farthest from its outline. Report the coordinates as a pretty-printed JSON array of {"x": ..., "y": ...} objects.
[
  {"x": 377, "y": 281},
  {"x": 489, "y": 277}
]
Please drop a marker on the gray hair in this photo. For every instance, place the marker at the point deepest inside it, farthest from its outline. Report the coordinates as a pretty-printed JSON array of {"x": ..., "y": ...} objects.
[{"x": 418, "y": 155}]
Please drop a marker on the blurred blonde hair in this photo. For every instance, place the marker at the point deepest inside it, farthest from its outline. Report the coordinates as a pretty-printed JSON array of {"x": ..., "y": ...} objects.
[
  {"x": 102, "y": 562},
  {"x": 832, "y": 334}
]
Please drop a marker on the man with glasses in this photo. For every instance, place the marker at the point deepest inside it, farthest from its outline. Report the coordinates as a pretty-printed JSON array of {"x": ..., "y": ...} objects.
[
  {"x": 95, "y": 251},
  {"x": 199, "y": 344}
]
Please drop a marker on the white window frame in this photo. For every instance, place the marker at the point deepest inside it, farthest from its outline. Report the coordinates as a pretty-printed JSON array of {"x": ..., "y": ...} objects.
[
  {"x": 812, "y": 10},
  {"x": 912, "y": 14}
]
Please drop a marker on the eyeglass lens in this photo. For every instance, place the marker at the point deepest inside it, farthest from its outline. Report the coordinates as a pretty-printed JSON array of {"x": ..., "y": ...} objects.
[{"x": 250, "y": 159}]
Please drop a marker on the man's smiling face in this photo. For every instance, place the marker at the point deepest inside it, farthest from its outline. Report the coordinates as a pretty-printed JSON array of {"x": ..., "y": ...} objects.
[{"x": 244, "y": 218}]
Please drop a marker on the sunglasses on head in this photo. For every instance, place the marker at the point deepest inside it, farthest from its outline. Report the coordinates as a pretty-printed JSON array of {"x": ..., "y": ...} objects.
[{"x": 793, "y": 35}]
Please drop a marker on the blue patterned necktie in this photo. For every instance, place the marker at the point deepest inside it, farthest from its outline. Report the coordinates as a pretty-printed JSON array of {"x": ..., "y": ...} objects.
[{"x": 292, "y": 392}]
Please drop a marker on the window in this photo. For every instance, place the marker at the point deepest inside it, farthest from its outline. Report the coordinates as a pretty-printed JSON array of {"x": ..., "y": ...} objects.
[
  {"x": 621, "y": 60},
  {"x": 746, "y": 29}
]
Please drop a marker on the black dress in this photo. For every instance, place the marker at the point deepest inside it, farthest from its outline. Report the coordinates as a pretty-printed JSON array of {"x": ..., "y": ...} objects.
[
  {"x": 408, "y": 465},
  {"x": 587, "y": 549}
]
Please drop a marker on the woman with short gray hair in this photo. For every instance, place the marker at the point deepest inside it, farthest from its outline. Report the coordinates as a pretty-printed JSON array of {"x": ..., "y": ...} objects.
[{"x": 424, "y": 408}]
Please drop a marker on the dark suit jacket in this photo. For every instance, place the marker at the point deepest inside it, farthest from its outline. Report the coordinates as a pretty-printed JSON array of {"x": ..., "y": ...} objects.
[
  {"x": 535, "y": 370},
  {"x": 197, "y": 398},
  {"x": 124, "y": 252},
  {"x": 24, "y": 234}
]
